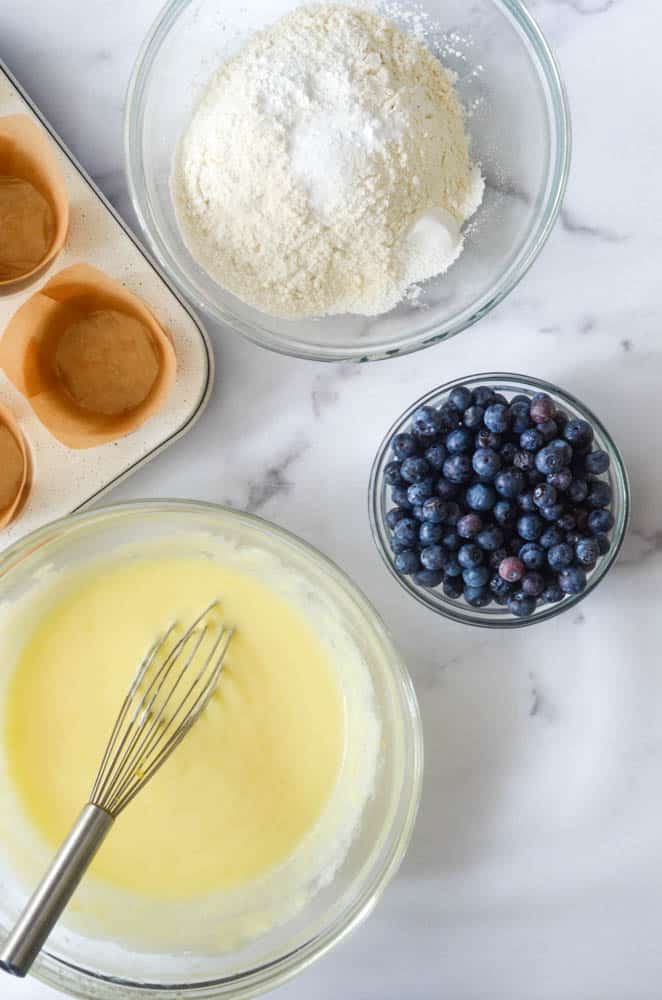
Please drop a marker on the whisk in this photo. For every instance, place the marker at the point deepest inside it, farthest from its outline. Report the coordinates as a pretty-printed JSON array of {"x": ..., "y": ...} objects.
[{"x": 169, "y": 692}]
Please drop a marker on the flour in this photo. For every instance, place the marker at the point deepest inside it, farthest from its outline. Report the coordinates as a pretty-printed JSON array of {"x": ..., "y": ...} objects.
[{"x": 326, "y": 168}]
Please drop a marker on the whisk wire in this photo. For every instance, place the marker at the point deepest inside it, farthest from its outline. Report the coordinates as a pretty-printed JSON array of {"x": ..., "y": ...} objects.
[
  {"x": 163, "y": 750},
  {"x": 121, "y": 765}
]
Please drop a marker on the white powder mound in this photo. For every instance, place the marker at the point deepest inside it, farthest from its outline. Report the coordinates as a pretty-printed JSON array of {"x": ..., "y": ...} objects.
[{"x": 326, "y": 168}]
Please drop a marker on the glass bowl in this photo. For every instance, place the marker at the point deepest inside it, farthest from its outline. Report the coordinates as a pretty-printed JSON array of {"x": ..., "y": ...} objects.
[
  {"x": 88, "y": 966},
  {"x": 494, "y": 616},
  {"x": 518, "y": 120}
]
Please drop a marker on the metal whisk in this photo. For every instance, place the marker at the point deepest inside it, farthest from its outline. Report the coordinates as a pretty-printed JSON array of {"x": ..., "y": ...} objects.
[{"x": 170, "y": 691}]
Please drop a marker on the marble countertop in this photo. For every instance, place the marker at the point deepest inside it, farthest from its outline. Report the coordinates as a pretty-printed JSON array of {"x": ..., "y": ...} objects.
[{"x": 535, "y": 868}]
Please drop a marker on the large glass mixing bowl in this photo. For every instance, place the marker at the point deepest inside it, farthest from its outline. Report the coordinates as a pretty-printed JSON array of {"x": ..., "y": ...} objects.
[
  {"x": 519, "y": 125},
  {"x": 91, "y": 967}
]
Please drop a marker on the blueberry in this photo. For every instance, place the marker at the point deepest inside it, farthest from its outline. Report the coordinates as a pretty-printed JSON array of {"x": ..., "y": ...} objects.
[
  {"x": 560, "y": 480},
  {"x": 600, "y": 521},
  {"x": 459, "y": 441},
  {"x": 501, "y": 599},
  {"x": 498, "y": 397},
  {"x": 495, "y": 558},
  {"x": 496, "y": 418},
  {"x": 433, "y": 557},
  {"x": 392, "y": 474},
  {"x": 530, "y": 527},
  {"x": 452, "y": 541},
  {"x": 603, "y": 544},
  {"x": 426, "y": 422},
  {"x": 394, "y": 515},
  {"x": 542, "y": 408},
  {"x": 453, "y": 587},
  {"x": 469, "y": 525},
  {"x": 524, "y": 460},
  {"x": 551, "y": 594},
  {"x": 487, "y": 439},
  {"x": 587, "y": 551},
  {"x": 430, "y": 534},
  {"x": 553, "y": 512},
  {"x": 549, "y": 430},
  {"x": 469, "y": 556},
  {"x": 399, "y": 496},
  {"x": 483, "y": 395},
  {"x": 418, "y": 512},
  {"x": 473, "y": 417},
  {"x": 481, "y": 496},
  {"x": 560, "y": 556},
  {"x": 435, "y": 456},
  {"x": 460, "y": 397},
  {"x": 578, "y": 490},
  {"x": 519, "y": 416},
  {"x": 499, "y": 586},
  {"x": 544, "y": 495},
  {"x": 418, "y": 493},
  {"x": 490, "y": 539},
  {"x": 509, "y": 483},
  {"x": 597, "y": 462},
  {"x": 457, "y": 468},
  {"x": 406, "y": 532},
  {"x": 572, "y": 537},
  {"x": 551, "y": 458},
  {"x": 526, "y": 503},
  {"x": 397, "y": 546},
  {"x": 581, "y": 519},
  {"x": 428, "y": 578},
  {"x": 414, "y": 469},
  {"x": 533, "y": 583},
  {"x": 521, "y": 398},
  {"x": 579, "y": 434},
  {"x": 505, "y": 512},
  {"x": 477, "y": 597},
  {"x": 531, "y": 440},
  {"x": 404, "y": 446},
  {"x": 407, "y": 562},
  {"x": 435, "y": 510},
  {"x": 508, "y": 452},
  {"x": 486, "y": 463},
  {"x": 599, "y": 493},
  {"x": 445, "y": 489},
  {"x": 521, "y": 605},
  {"x": 572, "y": 580},
  {"x": 477, "y": 576},
  {"x": 452, "y": 567},
  {"x": 533, "y": 555},
  {"x": 551, "y": 536},
  {"x": 566, "y": 522},
  {"x": 512, "y": 569}
]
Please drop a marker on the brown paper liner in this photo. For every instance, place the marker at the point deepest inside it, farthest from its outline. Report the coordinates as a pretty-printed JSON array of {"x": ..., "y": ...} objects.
[
  {"x": 26, "y": 153},
  {"x": 13, "y": 505},
  {"x": 29, "y": 349}
]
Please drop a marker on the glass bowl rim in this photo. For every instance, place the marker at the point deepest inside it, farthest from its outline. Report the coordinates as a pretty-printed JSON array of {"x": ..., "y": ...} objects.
[
  {"x": 557, "y": 172},
  {"x": 464, "y": 613},
  {"x": 57, "y": 972}
]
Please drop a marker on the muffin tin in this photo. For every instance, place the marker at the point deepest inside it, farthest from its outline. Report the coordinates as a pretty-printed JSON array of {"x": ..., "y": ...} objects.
[{"x": 65, "y": 479}]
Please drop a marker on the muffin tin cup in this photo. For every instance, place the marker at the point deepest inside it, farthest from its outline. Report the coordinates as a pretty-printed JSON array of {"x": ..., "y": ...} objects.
[{"x": 494, "y": 616}]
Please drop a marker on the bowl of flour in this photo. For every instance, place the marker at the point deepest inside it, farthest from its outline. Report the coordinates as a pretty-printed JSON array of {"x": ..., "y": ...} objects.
[{"x": 341, "y": 181}]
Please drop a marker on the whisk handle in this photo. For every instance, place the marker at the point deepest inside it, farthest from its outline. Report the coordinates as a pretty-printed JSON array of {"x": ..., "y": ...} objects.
[{"x": 56, "y": 888}]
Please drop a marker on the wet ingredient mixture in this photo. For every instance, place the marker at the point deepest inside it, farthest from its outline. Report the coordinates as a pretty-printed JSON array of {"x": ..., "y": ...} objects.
[
  {"x": 326, "y": 168},
  {"x": 250, "y": 780}
]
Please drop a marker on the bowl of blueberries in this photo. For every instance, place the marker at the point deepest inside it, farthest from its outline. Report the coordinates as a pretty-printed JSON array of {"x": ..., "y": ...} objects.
[{"x": 499, "y": 500}]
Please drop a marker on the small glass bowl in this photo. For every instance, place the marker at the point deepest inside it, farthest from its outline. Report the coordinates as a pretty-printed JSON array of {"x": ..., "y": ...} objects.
[
  {"x": 494, "y": 616},
  {"x": 517, "y": 118}
]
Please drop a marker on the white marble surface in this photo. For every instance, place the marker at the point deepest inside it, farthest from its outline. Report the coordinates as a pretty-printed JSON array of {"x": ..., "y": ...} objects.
[{"x": 535, "y": 868}]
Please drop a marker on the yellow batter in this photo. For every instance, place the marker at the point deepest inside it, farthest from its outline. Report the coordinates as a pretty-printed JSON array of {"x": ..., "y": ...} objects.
[{"x": 249, "y": 780}]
